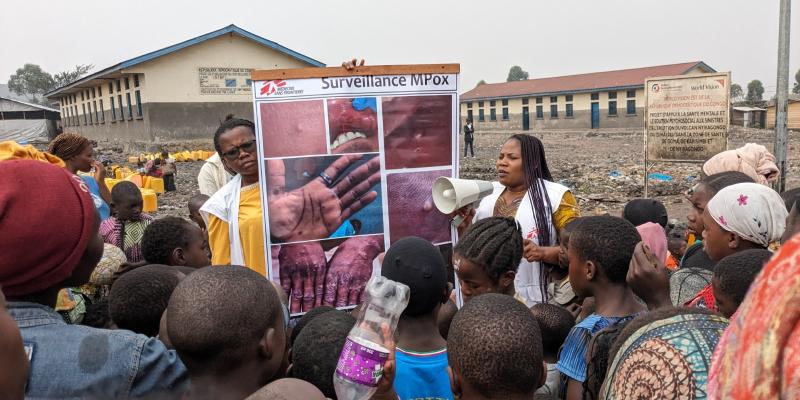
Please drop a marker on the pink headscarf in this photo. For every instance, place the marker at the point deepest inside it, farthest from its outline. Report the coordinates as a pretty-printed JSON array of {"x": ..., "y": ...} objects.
[
  {"x": 751, "y": 159},
  {"x": 655, "y": 238}
]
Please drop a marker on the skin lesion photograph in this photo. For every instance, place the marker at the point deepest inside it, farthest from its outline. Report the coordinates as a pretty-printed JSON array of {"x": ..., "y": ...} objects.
[
  {"x": 293, "y": 128},
  {"x": 417, "y": 131},
  {"x": 353, "y": 125},
  {"x": 330, "y": 272},
  {"x": 411, "y": 208},
  {"x": 312, "y": 198}
]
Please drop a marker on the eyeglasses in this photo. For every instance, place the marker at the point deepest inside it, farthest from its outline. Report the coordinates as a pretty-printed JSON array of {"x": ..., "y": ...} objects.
[{"x": 233, "y": 153}]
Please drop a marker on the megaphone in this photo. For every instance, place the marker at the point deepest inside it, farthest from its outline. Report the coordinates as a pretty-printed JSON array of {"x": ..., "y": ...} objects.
[{"x": 451, "y": 194}]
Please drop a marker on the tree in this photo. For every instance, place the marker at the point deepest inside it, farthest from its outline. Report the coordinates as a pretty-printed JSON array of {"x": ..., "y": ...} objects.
[
  {"x": 796, "y": 88},
  {"x": 30, "y": 81},
  {"x": 755, "y": 91},
  {"x": 736, "y": 92},
  {"x": 516, "y": 74},
  {"x": 65, "y": 78},
  {"x": 481, "y": 82}
]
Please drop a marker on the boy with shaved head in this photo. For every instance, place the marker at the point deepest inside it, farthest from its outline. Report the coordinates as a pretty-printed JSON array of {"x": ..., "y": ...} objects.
[{"x": 234, "y": 345}]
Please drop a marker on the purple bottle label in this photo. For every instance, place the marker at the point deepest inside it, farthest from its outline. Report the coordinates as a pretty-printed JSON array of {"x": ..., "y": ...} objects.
[{"x": 361, "y": 364}]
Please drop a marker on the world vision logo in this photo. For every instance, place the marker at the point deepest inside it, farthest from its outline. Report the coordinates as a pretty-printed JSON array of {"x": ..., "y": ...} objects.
[
  {"x": 655, "y": 88},
  {"x": 272, "y": 87}
]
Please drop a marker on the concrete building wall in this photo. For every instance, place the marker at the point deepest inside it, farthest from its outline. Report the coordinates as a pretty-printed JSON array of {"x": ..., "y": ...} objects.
[
  {"x": 581, "y": 118},
  {"x": 174, "y": 103}
]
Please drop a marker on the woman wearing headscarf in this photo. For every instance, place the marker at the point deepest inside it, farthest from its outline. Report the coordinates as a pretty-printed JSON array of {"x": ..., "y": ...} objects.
[
  {"x": 751, "y": 159},
  {"x": 758, "y": 357},
  {"x": 525, "y": 192},
  {"x": 664, "y": 354},
  {"x": 740, "y": 217},
  {"x": 78, "y": 155}
]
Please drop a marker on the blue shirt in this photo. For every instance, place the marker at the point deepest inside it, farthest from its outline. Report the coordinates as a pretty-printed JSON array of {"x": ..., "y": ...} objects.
[
  {"x": 99, "y": 203},
  {"x": 572, "y": 357},
  {"x": 422, "y": 375},
  {"x": 79, "y": 362}
]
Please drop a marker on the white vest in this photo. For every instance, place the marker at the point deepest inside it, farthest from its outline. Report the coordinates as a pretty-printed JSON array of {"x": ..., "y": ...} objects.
[{"x": 527, "y": 282}]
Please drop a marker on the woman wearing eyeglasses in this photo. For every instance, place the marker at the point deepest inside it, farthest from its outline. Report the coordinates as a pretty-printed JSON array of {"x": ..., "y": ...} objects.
[{"x": 234, "y": 216}]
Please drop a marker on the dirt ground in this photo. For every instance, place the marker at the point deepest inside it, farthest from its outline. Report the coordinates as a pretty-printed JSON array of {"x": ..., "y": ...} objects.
[{"x": 604, "y": 169}]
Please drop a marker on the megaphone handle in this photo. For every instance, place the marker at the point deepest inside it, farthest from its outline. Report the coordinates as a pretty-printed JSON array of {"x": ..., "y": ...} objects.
[{"x": 458, "y": 219}]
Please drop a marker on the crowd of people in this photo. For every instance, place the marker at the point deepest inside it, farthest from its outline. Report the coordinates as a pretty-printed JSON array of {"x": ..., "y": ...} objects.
[{"x": 101, "y": 300}]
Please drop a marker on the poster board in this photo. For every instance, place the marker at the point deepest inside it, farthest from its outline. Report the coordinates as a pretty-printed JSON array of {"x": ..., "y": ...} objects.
[
  {"x": 686, "y": 117},
  {"x": 348, "y": 160}
]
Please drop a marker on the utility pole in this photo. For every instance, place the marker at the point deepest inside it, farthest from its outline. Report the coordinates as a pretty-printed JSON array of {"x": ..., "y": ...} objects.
[{"x": 782, "y": 101}]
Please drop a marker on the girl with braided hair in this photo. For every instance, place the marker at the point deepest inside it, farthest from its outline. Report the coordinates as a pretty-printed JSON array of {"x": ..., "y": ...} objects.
[
  {"x": 78, "y": 155},
  {"x": 525, "y": 192},
  {"x": 487, "y": 256}
]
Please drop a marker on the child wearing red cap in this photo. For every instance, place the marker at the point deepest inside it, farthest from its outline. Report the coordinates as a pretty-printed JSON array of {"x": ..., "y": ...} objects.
[{"x": 68, "y": 361}]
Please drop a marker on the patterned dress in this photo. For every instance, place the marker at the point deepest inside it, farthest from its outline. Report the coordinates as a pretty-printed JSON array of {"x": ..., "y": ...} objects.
[{"x": 127, "y": 235}]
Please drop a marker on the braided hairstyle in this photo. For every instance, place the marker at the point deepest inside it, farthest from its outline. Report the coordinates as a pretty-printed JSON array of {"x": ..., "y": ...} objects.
[
  {"x": 495, "y": 244},
  {"x": 229, "y": 123},
  {"x": 717, "y": 182},
  {"x": 536, "y": 171},
  {"x": 68, "y": 145}
]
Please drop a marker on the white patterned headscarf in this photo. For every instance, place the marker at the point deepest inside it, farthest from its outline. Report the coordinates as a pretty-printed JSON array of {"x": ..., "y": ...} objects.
[{"x": 754, "y": 212}]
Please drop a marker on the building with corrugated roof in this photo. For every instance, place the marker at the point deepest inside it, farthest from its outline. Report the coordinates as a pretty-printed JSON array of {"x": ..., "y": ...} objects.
[
  {"x": 179, "y": 92},
  {"x": 792, "y": 113},
  {"x": 610, "y": 99}
]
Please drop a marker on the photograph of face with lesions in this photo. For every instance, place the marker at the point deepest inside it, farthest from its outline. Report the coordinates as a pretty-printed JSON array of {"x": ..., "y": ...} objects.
[
  {"x": 331, "y": 272},
  {"x": 411, "y": 208},
  {"x": 417, "y": 131},
  {"x": 353, "y": 125},
  {"x": 311, "y": 198},
  {"x": 293, "y": 128}
]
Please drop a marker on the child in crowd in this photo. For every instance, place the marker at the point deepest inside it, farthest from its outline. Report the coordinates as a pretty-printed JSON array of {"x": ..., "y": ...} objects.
[
  {"x": 175, "y": 241},
  {"x": 126, "y": 226},
  {"x": 421, "y": 355},
  {"x": 559, "y": 290},
  {"x": 445, "y": 317},
  {"x": 640, "y": 211},
  {"x": 792, "y": 222},
  {"x": 495, "y": 350},
  {"x": 790, "y": 196},
  {"x": 733, "y": 276},
  {"x": 36, "y": 263},
  {"x": 287, "y": 389},
  {"x": 694, "y": 272},
  {"x": 739, "y": 217},
  {"x": 486, "y": 258},
  {"x": 195, "y": 202},
  {"x": 98, "y": 316},
  {"x": 139, "y": 297},
  {"x": 600, "y": 250},
  {"x": 227, "y": 326},
  {"x": 168, "y": 171},
  {"x": 555, "y": 323},
  {"x": 317, "y": 347},
  {"x": 305, "y": 320}
]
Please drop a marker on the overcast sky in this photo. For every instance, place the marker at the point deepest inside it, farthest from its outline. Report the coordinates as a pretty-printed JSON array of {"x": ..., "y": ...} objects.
[{"x": 546, "y": 38}]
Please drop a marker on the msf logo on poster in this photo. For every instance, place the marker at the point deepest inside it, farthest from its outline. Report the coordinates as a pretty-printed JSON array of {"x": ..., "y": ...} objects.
[
  {"x": 277, "y": 87},
  {"x": 655, "y": 88}
]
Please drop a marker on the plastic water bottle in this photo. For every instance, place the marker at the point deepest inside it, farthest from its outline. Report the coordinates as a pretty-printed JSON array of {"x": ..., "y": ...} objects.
[{"x": 360, "y": 366}]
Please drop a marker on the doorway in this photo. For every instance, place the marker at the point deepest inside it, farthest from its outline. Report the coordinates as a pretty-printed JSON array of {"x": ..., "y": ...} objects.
[{"x": 595, "y": 115}]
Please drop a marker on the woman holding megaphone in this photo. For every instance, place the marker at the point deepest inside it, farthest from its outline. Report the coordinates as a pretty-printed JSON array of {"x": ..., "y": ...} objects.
[{"x": 525, "y": 192}]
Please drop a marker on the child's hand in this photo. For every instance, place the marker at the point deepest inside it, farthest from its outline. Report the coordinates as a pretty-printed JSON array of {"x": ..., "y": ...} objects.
[
  {"x": 648, "y": 278},
  {"x": 385, "y": 384},
  {"x": 468, "y": 214}
]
